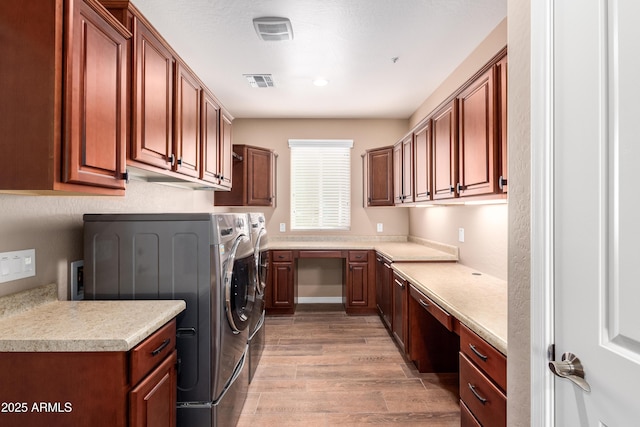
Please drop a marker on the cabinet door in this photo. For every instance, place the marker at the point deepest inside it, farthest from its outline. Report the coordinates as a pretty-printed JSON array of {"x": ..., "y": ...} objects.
[
  {"x": 259, "y": 177},
  {"x": 422, "y": 163},
  {"x": 152, "y": 403},
  {"x": 407, "y": 169},
  {"x": 397, "y": 174},
  {"x": 501, "y": 72},
  {"x": 282, "y": 289},
  {"x": 226, "y": 156},
  {"x": 383, "y": 290},
  {"x": 357, "y": 284},
  {"x": 210, "y": 171},
  {"x": 95, "y": 101},
  {"x": 399, "y": 323},
  {"x": 444, "y": 152},
  {"x": 152, "y": 99},
  {"x": 477, "y": 160},
  {"x": 187, "y": 124},
  {"x": 379, "y": 177}
]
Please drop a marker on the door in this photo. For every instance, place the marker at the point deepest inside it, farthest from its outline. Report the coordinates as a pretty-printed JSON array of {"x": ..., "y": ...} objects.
[{"x": 596, "y": 150}]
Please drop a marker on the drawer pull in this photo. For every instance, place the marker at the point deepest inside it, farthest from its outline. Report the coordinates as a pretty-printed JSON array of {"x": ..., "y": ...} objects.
[
  {"x": 162, "y": 346},
  {"x": 424, "y": 304},
  {"x": 399, "y": 283},
  {"x": 480, "y": 355},
  {"x": 475, "y": 393}
]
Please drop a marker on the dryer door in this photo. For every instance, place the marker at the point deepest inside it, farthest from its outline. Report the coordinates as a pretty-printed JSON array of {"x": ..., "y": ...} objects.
[
  {"x": 261, "y": 263},
  {"x": 238, "y": 286}
]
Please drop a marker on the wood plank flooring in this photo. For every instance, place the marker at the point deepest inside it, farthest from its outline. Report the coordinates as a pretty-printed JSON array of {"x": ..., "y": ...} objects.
[{"x": 323, "y": 368}]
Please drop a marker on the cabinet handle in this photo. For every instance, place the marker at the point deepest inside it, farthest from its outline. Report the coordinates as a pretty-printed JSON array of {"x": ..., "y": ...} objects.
[
  {"x": 125, "y": 176},
  {"x": 172, "y": 160},
  {"x": 387, "y": 265},
  {"x": 451, "y": 189},
  {"x": 161, "y": 347},
  {"x": 460, "y": 188},
  {"x": 424, "y": 304},
  {"x": 379, "y": 259},
  {"x": 475, "y": 393},
  {"x": 480, "y": 355},
  {"x": 399, "y": 283},
  {"x": 179, "y": 161},
  {"x": 502, "y": 182}
]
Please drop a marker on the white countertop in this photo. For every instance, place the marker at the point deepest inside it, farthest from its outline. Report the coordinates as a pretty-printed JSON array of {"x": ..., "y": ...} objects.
[
  {"x": 45, "y": 325},
  {"x": 477, "y": 300}
]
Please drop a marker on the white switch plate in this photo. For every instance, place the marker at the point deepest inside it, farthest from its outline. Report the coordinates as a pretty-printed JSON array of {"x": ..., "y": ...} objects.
[
  {"x": 16, "y": 265},
  {"x": 379, "y": 227},
  {"x": 283, "y": 227},
  {"x": 461, "y": 235}
]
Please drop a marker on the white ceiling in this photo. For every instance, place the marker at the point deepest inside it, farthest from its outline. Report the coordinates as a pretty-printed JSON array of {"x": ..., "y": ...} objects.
[{"x": 349, "y": 42}]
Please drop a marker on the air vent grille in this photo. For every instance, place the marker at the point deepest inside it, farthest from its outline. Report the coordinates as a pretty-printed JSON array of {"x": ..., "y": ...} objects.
[
  {"x": 259, "y": 80},
  {"x": 271, "y": 28}
]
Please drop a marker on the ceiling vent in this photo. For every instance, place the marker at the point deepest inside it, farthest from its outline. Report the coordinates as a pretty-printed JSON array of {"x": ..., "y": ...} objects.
[
  {"x": 273, "y": 29},
  {"x": 259, "y": 80}
]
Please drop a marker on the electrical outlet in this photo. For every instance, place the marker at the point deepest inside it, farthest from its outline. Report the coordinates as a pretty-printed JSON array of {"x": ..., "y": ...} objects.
[
  {"x": 379, "y": 227},
  {"x": 283, "y": 227},
  {"x": 461, "y": 235},
  {"x": 17, "y": 265}
]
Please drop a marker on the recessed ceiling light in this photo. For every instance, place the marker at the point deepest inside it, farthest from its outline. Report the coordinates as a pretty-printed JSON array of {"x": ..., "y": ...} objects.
[{"x": 320, "y": 82}]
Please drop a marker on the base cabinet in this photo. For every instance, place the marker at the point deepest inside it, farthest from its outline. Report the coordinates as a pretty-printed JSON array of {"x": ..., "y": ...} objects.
[
  {"x": 281, "y": 289},
  {"x": 101, "y": 389},
  {"x": 359, "y": 289},
  {"x": 399, "y": 324},
  {"x": 384, "y": 279}
]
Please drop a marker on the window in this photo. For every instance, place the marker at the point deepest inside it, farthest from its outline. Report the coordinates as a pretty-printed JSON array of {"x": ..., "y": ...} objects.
[{"x": 320, "y": 184}]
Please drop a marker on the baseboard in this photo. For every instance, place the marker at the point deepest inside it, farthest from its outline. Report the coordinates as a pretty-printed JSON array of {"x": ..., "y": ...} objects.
[{"x": 319, "y": 300}]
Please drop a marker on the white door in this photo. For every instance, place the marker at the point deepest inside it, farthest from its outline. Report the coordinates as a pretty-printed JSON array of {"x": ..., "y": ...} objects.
[{"x": 596, "y": 214}]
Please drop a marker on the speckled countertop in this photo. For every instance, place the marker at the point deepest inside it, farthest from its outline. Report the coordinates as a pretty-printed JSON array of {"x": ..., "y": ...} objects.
[
  {"x": 393, "y": 248},
  {"x": 475, "y": 299},
  {"x": 35, "y": 321}
]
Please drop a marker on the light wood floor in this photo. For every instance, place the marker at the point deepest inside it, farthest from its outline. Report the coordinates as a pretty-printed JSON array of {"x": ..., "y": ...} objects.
[{"x": 323, "y": 368}]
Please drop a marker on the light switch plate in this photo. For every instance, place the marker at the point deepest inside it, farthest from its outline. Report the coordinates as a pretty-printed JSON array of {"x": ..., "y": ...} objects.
[
  {"x": 379, "y": 227},
  {"x": 461, "y": 235},
  {"x": 283, "y": 227},
  {"x": 16, "y": 265}
]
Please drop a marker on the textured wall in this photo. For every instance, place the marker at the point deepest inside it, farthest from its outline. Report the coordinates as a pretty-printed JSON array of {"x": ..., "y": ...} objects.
[{"x": 518, "y": 371}]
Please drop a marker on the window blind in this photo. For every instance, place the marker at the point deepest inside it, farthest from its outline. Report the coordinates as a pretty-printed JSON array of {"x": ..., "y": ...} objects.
[{"x": 320, "y": 184}]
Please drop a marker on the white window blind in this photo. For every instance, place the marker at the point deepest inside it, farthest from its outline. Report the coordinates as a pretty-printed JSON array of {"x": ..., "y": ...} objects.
[{"x": 320, "y": 184}]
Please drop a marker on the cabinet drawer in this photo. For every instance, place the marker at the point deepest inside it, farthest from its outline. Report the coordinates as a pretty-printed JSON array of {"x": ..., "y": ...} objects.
[
  {"x": 358, "y": 256},
  {"x": 487, "y": 358},
  {"x": 434, "y": 309},
  {"x": 281, "y": 256},
  {"x": 150, "y": 352},
  {"x": 466, "y": 417},
  {"x": 485, "y": 401}
]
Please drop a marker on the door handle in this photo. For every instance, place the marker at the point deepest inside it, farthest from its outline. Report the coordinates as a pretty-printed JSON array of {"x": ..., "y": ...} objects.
[{"x": 570, "y": 368}]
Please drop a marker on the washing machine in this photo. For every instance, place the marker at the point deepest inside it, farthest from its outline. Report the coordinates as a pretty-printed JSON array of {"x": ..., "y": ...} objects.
[{"x": 261, "y": 267}]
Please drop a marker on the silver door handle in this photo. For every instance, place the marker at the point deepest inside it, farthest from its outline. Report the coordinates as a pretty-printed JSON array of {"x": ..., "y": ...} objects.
[{"x": 570, "y": 368}]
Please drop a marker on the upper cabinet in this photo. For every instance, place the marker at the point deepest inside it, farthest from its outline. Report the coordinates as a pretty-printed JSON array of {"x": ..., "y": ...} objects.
[
  {"x": 179, "y": 130},
  {"x": 378, "y": 177},
  {"x": 253, "y": 176},
  {"x": 459, "y": 151},
  {"x": 63, "y": 110}
]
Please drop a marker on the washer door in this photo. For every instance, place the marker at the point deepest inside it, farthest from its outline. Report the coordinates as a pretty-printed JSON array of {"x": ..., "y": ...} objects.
[
  {"x": 238, "y": 287},
  {"x": 261, "y": 264}
]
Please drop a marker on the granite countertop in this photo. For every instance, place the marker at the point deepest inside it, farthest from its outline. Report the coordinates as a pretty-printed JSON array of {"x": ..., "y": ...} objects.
[
  {"x": 394, "y": 249},
  {"x": 477, "y": 300},
  {"x": 35, "y": 322}
]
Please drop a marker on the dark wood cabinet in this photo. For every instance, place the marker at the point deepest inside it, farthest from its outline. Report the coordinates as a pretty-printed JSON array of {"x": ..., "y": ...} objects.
[
  {"x": 501, "y": 73},
  {"x": 187, "y": 122},
  {"x": 400, "y": 315},
  {"x": 211, "y": 150},
  {"x": 445, "y": 141},
  {"x": 152, "y": 98},
  {"x": 403, "y": 170},
  {"x": 63, "y": 100},
  {"x": 384, "y": 279},
  {"x": 281, "y": 289},
  {"x": 378, "y": 177},
  {"x": 103, "y": 389},
  {"x": 422, "y": 162},
  {"x": 252, "y": 178},
  {"x": 226, "y": 152},
  {"x": 477, "y": 148},
  {"x": 359, "y": 286}
]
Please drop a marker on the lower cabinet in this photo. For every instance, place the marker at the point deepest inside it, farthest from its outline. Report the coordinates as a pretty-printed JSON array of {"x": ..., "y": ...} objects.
[
  {"x": 399, "y": 324},
  {"x": 483, "y": 382},
  {"x": 101, "y": 389},
  {"x": 281, "y": 284},
  {"x": 359, "y": 295},
  {"x": 384, "y": 280}
]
